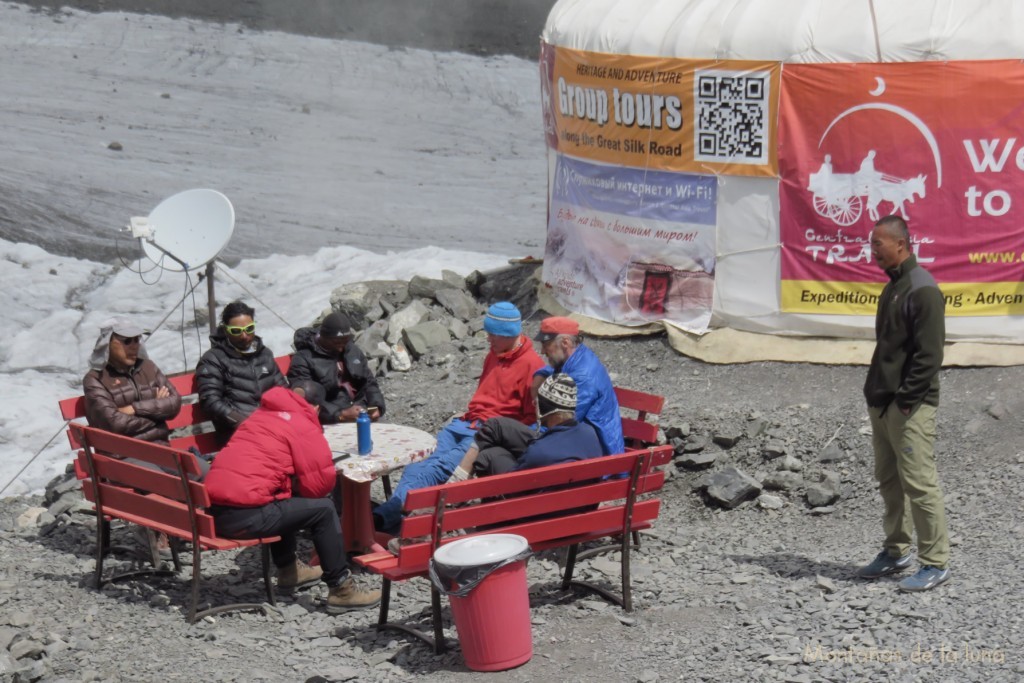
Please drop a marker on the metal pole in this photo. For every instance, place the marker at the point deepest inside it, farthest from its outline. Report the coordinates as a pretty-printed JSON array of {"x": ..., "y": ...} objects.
[{"x": 211, "y": 297}]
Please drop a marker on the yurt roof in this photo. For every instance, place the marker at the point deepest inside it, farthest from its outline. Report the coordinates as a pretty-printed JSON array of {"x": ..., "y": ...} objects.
[{"x": 796, "y": 31}]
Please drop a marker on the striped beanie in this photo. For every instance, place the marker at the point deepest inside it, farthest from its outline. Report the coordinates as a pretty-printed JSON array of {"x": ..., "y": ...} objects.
[
  {"x": 503, "y": 320},
  {"x": 557, "y": 393}
]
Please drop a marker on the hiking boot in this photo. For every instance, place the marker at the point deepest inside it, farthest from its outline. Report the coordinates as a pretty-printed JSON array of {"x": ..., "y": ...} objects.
[
  {"x": 297, "y": 575},
  {"x": 348, "y": 596},
  {"x": 883, "y": 565},
  {"x": 926, "y": 578},
  {"x": 155, "y": 543}
]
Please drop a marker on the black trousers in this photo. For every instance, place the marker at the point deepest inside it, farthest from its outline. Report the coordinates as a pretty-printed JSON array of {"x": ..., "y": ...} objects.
[
  {"x": 285, "y": 518},
  {"x": 501, "y": 441}
]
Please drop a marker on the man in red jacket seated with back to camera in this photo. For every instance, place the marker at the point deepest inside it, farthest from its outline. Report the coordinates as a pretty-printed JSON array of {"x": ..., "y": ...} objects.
[{"x": 279, "y": 446}]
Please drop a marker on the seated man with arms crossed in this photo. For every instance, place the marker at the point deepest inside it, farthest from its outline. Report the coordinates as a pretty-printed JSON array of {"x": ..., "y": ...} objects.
[
  {"x": 503, "y": 390},
  {"x": 251, "y": 481},
  {"x": 126, "y": 393}
]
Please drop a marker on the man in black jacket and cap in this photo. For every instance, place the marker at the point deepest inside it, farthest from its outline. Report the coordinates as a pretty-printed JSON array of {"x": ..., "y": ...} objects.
[{"x": 328, "y": 356}]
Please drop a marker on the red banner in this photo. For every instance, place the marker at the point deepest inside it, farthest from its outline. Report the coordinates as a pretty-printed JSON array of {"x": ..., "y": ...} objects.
[{"x": 940, "y": 143}]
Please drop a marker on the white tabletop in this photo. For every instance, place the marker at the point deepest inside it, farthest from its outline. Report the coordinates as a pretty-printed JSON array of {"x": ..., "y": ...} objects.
[{"x": 394, "y": 446}]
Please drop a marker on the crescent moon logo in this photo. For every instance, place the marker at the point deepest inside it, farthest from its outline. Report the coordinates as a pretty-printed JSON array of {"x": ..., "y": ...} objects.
[{"x": 879, "y": 87}]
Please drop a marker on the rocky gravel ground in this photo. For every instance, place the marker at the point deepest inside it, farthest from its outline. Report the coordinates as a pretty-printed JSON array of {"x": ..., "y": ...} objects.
[{"x": 764, "y": 591}]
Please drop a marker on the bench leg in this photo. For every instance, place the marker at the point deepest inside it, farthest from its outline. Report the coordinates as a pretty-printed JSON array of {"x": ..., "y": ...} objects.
[
  {"x": 627, "y": 596},
  {"x": 570, "y": 566},
  {"x": 385, "y": 602},
  {"x": 625, "y": 600},
  {"x": 265, "y": 558},
  {"x": 192, "y": 613},
  {"x": 437, "y": 643},
  {"x": 435, "y": 616},
  {"x": 102, "y": 538}
]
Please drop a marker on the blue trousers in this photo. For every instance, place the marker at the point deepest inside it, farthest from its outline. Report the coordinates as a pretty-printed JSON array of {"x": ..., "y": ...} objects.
[{"x": 452, "y": 443}]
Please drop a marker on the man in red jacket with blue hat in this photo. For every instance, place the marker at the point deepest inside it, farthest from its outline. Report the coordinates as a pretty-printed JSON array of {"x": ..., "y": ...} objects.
[
  {"x": 503, "y": 390},
  {"x": 273, "y": 479}
]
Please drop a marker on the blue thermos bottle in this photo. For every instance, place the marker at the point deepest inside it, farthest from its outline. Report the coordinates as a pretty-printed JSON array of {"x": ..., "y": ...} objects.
[{"x": 363, "y": 433}]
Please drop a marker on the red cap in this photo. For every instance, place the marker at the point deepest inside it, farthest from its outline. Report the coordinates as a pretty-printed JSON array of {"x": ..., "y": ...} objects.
[{"x": 552, "y": 327}]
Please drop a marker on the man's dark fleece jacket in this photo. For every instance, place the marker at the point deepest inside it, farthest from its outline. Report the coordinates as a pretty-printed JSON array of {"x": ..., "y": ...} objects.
[
  {"x": 910, "y": 330},
  {"x": 314, "y": 363}
]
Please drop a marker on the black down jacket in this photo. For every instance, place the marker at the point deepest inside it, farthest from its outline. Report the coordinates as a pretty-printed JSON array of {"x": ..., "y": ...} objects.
[
  {"x": 231, "y": 383},
  {"x": 314, "y": 363}
]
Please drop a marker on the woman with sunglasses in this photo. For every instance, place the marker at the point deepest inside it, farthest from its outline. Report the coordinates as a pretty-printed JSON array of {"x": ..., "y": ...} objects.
[{"x": 235, "y": 372}]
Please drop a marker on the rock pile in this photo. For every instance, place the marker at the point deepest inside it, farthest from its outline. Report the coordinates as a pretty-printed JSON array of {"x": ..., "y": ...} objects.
[
  {"x": 400, "y": 322},
  {"x": 782, "y": 458}
]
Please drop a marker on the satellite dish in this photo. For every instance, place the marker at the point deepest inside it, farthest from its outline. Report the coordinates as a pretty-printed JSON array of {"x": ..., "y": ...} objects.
[{"x": 190, "y": 228}]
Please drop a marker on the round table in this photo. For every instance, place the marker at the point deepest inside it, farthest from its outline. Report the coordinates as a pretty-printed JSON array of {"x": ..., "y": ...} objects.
[{"x": 394, "y": 446}]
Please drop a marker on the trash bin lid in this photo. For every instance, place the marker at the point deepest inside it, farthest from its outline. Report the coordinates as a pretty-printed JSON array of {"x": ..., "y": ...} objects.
[{"x": 478, "y": 550}]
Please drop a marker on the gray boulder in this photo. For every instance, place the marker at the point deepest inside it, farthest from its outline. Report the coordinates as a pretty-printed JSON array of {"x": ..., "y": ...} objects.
[
  {"x": 412, "y": 314},
  {"x": 825, "y": 492},
  {"x": 399, "y": 359},
  {"x": 773, "y": 449},
  {"x": 516, "y": 283},
  {"x": 370, "y": 339},
  {"x": 426, "y": 287},
  {"x": 727, "y": 437},
  {"x": 460, "y": 304},
  {"x": 783, "y": 481},
  {"x": 454, "y": 279},
  {"x": 419, "y": 339},
  {"x": 730, "y": 487},
  {"x": 697, "y": 461},
  {"x": 361, "y": 301}
]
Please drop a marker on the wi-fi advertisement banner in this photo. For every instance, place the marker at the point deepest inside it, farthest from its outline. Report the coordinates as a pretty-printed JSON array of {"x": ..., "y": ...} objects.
[
  {"x": 939, "y": 143},
  {"x": 632, "y": 246}
]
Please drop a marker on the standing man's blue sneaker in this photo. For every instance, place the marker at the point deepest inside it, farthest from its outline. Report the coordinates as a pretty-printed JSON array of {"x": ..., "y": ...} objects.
[
  {"x": 926, "y": 578},
  {"x": 883, "y": 565}
]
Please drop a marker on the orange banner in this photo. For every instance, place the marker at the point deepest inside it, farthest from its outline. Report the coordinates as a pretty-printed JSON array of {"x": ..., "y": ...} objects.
[{"x": 698, "y": 116}]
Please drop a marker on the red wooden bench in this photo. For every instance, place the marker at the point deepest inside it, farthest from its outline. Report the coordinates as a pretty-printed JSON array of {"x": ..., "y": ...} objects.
[
  {"x": 190, "y": 427},
  {"x": 637, "y": 430},
  {"x": 552, "y": 507},
  {"x": 168, "y": 503}
]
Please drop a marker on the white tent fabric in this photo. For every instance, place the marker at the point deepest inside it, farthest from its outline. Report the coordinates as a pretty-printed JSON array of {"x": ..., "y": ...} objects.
[
  {"x": 747, "y": 280},
  {"x": 795, "y": 31}
]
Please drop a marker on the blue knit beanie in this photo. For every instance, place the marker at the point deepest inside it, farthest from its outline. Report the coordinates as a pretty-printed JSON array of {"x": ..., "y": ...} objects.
[{"x": 503, "y": 320}]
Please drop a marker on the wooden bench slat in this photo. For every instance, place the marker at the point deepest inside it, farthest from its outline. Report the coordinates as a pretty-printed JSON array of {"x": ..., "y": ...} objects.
[
  {"x": 530, "y": 480},
  {"x": 204, "y": 443},
  {"x": 510, "y": 509},
  {"x": 70, "y": 408},
  {"x": 637, "y": 433},
  {"x": 160, "y": 483},
  {"x": 119, "y": 500},
  {"x": 190, "y": 414},
  {"x": 639, "y": 401},
  {"x": 159, "y": 455},
  {"x": 606, "y": 521},
  {"x": 184, "y": 382}
]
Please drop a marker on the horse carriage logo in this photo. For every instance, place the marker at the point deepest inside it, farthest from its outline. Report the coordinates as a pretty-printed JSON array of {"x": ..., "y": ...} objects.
[{"x": 842, "y": 197}]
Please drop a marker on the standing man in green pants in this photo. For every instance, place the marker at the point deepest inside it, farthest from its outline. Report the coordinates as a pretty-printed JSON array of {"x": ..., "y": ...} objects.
[{"x": 902, "y": 392}]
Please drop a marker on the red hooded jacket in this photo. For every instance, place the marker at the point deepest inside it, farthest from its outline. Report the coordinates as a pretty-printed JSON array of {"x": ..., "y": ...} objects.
[
  {"x": 282, "y": 439},
  {"x": 504, "y": 388}
]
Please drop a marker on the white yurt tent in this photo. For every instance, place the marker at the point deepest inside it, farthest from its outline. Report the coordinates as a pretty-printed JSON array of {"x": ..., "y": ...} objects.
[{"x": 719, "y": 164}]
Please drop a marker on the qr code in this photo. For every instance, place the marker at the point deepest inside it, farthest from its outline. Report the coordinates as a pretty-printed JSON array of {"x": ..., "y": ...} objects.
[{"x": 732, "y": 116}]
